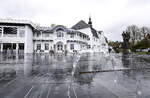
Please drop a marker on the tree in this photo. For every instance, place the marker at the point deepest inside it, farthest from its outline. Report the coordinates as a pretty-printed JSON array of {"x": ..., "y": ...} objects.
[
  {"x": 117, "y": 46},
  {"x": 143, "y": 44},
  {"x": 133, "y": 31},
  {"x": 138, "y": 37},
  {"x": 52, "y": 25},
  {"x": 145, "y": 31}
]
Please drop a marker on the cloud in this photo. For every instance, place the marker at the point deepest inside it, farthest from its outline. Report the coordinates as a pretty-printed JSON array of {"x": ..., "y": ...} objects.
[{"x": 111, "y": 16}]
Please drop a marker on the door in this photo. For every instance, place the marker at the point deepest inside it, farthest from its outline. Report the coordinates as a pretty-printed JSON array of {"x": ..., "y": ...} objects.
[{"x": 59, "y": 47}]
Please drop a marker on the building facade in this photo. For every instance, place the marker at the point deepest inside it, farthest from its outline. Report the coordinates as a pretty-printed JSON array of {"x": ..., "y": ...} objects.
[{"x": 21, "y": 36}]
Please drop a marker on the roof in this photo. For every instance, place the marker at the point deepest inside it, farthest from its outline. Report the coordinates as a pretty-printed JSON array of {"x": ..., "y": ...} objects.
[
  {"x": 100, "y": 32},
  {"x": 59, "y": 27},
  {"x": 17, "y": 21},
  {"x": 94, "y": 32},
  {"x": 80, "y": 25},
  {"x": 44, "y": 29},
  {"x": 106, "y": 40}
]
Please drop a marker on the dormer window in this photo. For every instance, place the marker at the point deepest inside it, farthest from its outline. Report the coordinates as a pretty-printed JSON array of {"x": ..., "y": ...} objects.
[
  {"x": 72, "y": 36},
  {"x": 60, "y": 32}
]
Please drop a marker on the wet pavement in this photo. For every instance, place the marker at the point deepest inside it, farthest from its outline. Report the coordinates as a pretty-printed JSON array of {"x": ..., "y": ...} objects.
[{"x": 74, "y": 76}]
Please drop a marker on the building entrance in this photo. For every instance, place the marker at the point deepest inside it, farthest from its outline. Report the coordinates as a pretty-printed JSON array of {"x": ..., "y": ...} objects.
[{"x": 59, "y": 47}]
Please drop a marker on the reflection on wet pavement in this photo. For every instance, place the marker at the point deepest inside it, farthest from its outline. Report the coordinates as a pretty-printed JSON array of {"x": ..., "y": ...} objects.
[{"x": 46, "y": 76}]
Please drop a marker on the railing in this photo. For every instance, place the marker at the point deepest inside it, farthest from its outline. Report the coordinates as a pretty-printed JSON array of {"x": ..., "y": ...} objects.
[
  {"x": 78, "y": 39},
  {"x": 9, "y": 35},
  {"x": 43, "y": 38}
]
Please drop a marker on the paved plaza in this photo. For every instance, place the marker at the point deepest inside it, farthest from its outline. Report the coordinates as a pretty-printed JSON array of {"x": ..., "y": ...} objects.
[{"x": 74, "y": 76}]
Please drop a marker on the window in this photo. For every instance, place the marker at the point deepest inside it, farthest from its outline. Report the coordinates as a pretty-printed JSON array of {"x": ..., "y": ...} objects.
[
  {"x": 59, "y": 47},
  {"x": 80, "y": 35},
  {"x": 38, "y": 46},
  {"x": 0, "y": 31},
  {"x": 38, "y": 34},
  {"x": 46, "y": 46},
  {"x": 83, "y": 36},
  {"x": 81, "y": 46},
  {"x": 45, "y": 34},
  {"x": 21, "y": 46},
  {"x": 21, "y": 32},
  {"x": 71, "y": 46},
  {"x": 59, "y": 29},
  {"x": 10, "y": 30},
  {"x": 89, "y": 46},
  {"x": 103, "y": 44},
  {"x": 60, "y": 34},
  {"x": 72, "y": 36}
]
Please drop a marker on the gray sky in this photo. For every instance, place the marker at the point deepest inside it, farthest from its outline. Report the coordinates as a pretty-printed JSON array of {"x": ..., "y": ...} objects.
[{"x": 111, "y": 16}]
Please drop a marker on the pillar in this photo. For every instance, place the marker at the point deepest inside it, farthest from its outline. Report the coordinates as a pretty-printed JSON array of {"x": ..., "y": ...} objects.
[
  {"x": 28, "y": 45},
  {"x": 17, "y": 33},
  {"x": 17, "y": 48},
  {"x": 28, "y": 60},
  {"x": 2, "y": 31},
  {"x": 65, "y": 49},
  {"x": 11, "y": 48},
  {"x": 1, "y": 47},
  {"x": 54, "y": 48}
]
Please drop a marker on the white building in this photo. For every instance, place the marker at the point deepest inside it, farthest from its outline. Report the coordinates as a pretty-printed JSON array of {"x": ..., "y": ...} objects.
[{"x": 24, "y": 36}]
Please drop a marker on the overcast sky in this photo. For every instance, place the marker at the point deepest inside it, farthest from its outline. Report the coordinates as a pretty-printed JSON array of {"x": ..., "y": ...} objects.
[{"x": 111, "y": 16}]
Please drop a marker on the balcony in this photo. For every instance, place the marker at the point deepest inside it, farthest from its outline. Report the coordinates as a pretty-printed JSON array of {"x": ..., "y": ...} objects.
[
  {"x": 10, "y": 39},
  {"x": 42, "y": 38},
  {"x": 75, "y": 38},
  {"x": 9, "y": 35}
]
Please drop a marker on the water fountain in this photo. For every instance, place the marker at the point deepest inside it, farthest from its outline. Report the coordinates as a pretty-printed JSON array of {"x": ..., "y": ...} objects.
[{"x": 80, "y": 75}]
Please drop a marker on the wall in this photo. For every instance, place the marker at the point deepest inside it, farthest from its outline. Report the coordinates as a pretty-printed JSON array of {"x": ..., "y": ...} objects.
[
  {"x": 43, "y": 45},
  {"x": 28, "y": 39},
  {"x": 16, "y": 39}
]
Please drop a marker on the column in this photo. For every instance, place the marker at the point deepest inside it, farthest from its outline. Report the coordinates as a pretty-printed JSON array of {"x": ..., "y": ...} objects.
[
  {"x": 2, "y": 31},
  {"x": 28, "y": 45},
  {"x": 17, "y": 48},
  {"x": 17, "y": 33},
  {"x": 41, "y": 34},
  {"x": 1, "y": 47},
  {"x": 11, "y": 48},
  {"x": 54, "y": 48},
  {"x": 28, "y": 60},
  {"x": 65, "y": 49},
  {"x": 17, "y": 59}
]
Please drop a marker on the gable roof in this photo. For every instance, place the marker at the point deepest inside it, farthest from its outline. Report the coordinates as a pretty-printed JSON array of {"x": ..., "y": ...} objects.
[
  {"x": 59, "y": 27},
  {"x": 94, "y": 32},
  {"x": 17, "y": 22},
  {"x": 43, "y": 29},
  {"x": 80, "y": 25}
]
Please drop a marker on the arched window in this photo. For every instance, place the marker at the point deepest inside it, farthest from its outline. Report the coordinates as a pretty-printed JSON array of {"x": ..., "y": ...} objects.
[
  {"x": 60, "y": 32},
  {"x": 59, "y": 29}
]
